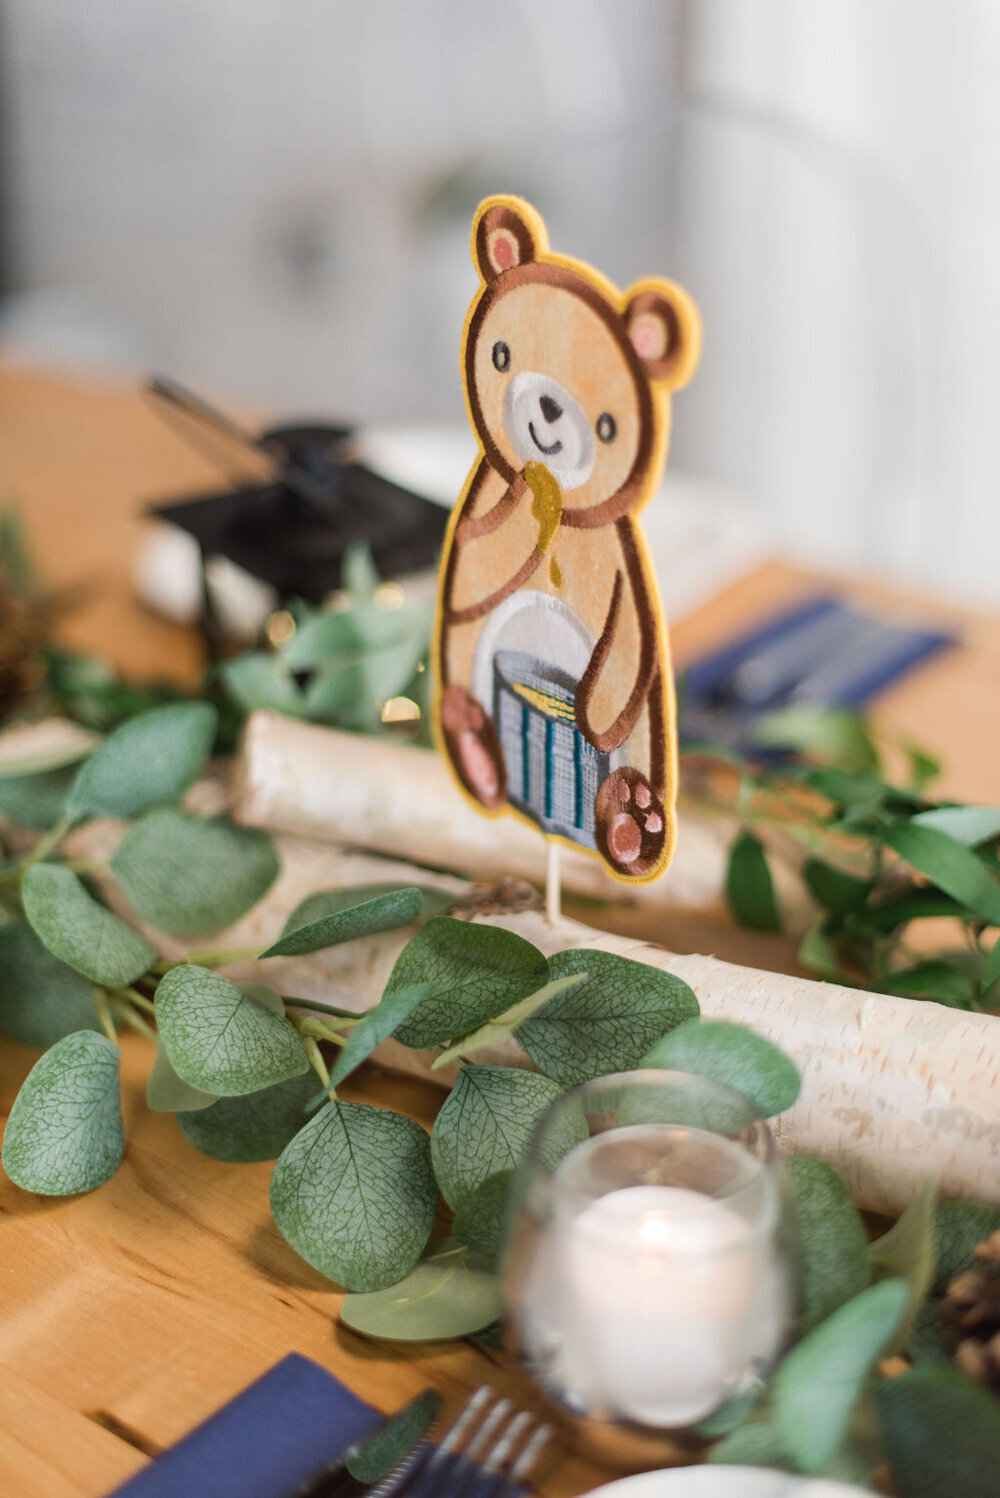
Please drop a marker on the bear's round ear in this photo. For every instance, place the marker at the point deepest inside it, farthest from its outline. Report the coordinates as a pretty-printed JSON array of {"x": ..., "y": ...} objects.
[
  {"x": 664, "y": 328},
  {"x": 505, "y": 235}
]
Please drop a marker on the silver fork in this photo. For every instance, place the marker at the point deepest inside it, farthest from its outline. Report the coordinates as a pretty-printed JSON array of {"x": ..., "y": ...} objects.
[{"x": 489, "y": 1451}]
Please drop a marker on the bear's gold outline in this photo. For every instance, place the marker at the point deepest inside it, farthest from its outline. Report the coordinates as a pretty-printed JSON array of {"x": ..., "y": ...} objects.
[{"x": 661, "y": 389}]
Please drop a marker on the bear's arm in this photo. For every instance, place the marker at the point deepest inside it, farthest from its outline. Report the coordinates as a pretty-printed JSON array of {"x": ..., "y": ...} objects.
[
  {"x": 494, "y": 549},
  {"x": 617, "y": 680}
]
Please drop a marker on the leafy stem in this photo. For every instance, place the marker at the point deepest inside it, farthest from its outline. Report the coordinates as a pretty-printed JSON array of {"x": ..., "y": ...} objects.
[
  {"x": 100, "y": 1000},
  {"x": 46, "y": 844}
]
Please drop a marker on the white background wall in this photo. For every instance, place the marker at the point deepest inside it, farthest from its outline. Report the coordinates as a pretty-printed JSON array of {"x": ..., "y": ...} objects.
[{"x": 270, "y": 198}]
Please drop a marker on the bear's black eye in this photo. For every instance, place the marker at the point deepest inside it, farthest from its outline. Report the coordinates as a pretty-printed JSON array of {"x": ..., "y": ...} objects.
[
  {"x": 501, "y": 357},
  {"x": 607, "y": 427}
]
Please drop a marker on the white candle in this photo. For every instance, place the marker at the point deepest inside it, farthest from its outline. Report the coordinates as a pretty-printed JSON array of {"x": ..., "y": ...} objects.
[{"x": 662, "y": 1299}]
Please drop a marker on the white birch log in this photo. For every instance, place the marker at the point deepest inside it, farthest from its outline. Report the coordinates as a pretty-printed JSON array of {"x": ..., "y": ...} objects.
[
  {"x": 894, "y": 1091},
  {"x": 400, "y": 800}
]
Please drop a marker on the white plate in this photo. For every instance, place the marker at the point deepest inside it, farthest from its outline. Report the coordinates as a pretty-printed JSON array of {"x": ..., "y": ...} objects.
[{"x": 723, "y": 1482}]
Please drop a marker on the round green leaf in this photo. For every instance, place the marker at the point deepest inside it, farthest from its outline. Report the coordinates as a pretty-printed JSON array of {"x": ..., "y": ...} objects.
[
  {"x": 382, "y": 913},
  {"x": 749, "y": 886},
  {"x": 151, "y": 759},
  {"x": 80, "y": 931},
  {"x": 64, "y": 1133},
  {"x": 733, "y": 1055},
  {"x": 254, "y": 1127},
  {"x": 482, "y": 1219},
  {"x": 941, "y": 1433},
  {"x": 477, "y": 972},
  {"x": 817, "y": 1386},
  {"x": 41, "y": 999},
  {"x": 608, "y": 1023},
  {"x": 221, "y": 1039},
  {"x": 452, "y": 1292},
  {"x": 834, "y": 1245},
  {"x": 485, "y": 1124},
  {"x": 353, "y": 1193},
  {"x": 36, "y": 800},
  {"x": 166, "y": 1092},
  {"x": 192, "y": 875},
  {"x": 958, "y": 1228}
]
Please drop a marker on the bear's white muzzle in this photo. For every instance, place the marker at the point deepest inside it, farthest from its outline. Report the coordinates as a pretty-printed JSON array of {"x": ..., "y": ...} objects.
[{"x": 544, "y": 424}]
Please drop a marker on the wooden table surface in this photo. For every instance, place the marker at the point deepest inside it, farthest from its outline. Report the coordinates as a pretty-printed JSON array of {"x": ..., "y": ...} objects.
[{"x": 128, "y": 1315}]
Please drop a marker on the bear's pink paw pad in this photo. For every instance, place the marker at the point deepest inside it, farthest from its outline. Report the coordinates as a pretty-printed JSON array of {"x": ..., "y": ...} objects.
[{"x": 630, "y": 823}]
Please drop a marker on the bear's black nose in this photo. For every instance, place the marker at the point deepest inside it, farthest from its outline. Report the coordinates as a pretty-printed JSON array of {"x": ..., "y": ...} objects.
[{"x": 551, "y": 409}]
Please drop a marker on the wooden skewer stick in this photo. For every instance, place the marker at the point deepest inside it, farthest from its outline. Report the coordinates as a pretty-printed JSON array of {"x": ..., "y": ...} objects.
[{"x": 553, "y": 889}]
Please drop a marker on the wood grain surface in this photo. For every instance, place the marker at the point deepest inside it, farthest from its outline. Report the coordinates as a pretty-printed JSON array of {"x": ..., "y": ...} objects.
[{"x": 129, "y": 1315}]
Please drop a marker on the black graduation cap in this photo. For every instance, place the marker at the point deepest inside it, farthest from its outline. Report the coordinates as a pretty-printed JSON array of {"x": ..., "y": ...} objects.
[{"x": 293, "y": 529}]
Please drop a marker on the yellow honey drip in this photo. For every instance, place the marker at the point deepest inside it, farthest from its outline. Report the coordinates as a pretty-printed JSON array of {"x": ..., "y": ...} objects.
[{"x": 547, "y": 508}]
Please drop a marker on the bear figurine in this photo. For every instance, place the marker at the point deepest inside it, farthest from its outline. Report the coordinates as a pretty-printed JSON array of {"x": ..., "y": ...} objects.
[{"x": 554, "y": 687}]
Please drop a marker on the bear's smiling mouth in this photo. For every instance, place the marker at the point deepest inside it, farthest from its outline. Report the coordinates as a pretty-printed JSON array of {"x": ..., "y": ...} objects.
[{"x": 555, "y": 448}]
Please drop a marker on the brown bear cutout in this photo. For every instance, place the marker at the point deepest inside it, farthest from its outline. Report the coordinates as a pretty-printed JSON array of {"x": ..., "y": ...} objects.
[{"x": 555, "y": 691}]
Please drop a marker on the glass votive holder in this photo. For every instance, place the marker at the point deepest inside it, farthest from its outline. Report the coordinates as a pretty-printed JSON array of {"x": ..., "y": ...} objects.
[{"x": 651, "y": 1267}]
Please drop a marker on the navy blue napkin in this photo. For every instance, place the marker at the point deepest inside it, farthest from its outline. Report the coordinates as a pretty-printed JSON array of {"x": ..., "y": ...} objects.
[{"x": 274, "y": 1434}]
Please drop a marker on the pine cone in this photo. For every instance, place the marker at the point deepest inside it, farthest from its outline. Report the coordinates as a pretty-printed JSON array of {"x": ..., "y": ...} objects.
[{"x": 971, "y": 1314}]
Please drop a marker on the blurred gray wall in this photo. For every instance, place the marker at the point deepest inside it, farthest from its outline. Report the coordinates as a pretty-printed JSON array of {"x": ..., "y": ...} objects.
[{"x": 270, "y": 198}]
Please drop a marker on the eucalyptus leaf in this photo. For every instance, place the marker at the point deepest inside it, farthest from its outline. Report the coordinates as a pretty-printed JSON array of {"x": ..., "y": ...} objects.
[
  {"x": 833, "y": 1243},
  {"x": 824, "y": 733},
  {"x": 36, "y": 800},
  {"x": 950, "y": 865},
  {"x": 41, "y": 999},
  {"x": 819, "y": 1382},
  {"x": 331, "y": 901},
  {"x": 354, "y": 1195},
  {"x": 343, "y": 636},
  {"x": 382, "y": 913},
  {"x": 833, "y": 889},
  {"x": 485, "y": 1124},
  {"x": 477, "y": 972},
  {"x": 958, "y": 1227},
  {"x": 452, "y": 1292},
  {"x": 733, "y": 1055},
  {"x": 937, "y": 980},
  {"x": 907, "y": 1252},
  {"x": 991, "y": 967},
  {"x": 261, "y": 680},
  {"x": 221, "y": 1039},
  {"x": 816, "y": 953},
  {"x": 607, "y": 1023},
  {"x": 64, "y": 1133},
  {"x": 359, "y": 574},
  {"x": 377, "y": 1025},
  {"x": 166, "y": 1092},
  {"x": 941, "y": 1433},
  {"x": 482, "y": 1219},
  {"x": 192, "y": 875},
  {"x": 749, "y": 886},
  {"x": 81, "y": 932},
  {"x": 970, "y": 825},
  {"x": 375, "y": 1455},
  {"x": 256, "y": 1126},
  {"x": 150, "y": 760},
  {"x": 757, "y": 1444}
]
